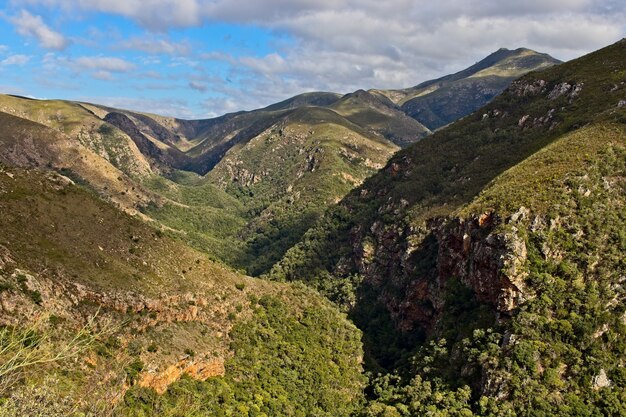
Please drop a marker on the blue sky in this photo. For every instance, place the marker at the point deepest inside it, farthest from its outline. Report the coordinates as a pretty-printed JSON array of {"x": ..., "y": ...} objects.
[{"x": 202, "y": 58}]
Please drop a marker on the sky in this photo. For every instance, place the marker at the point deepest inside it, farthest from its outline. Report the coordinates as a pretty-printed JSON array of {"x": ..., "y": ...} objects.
[{"x": 204, "y": 58}]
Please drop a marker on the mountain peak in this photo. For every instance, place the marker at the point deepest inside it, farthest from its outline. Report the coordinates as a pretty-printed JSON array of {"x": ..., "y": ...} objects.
[{"x": 438, "y": 102}]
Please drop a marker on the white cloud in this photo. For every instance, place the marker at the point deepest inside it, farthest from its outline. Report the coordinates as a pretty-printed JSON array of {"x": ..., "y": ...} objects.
[
  {"x": 103, "y": 75},
  {"x": 157, "y": 46},
  {"x": 104, "y": 63},
  {"x": 157, "y": 15},
  {"x": 31, "y": 25},
  {"x": 166, "y": 106},
  {"x": 15, "y": 60}
]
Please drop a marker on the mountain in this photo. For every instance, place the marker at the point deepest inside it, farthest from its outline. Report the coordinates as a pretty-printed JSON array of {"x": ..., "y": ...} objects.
[
  {"x": 436, "y": 103},
  {"x": 280, "y": 191},
  {"x": 126, "y": 320},
  {"x": 122, "y": 230},
  {"x": 485, "y": 263},
  {"x": 263, "y": 176},
  {"x": 271, "y": 186}
]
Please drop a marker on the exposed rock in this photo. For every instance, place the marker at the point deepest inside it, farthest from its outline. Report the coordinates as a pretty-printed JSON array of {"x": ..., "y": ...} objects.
[
  {"x": 491, "y": 264},
  {"x": 520, "y": 214},
  {"x": 524, "y": 89},
  {"x": 200, "y": 370},
  {"x": 469, "y": 249},
  {"x": 601, "y": 380},
  {"x": 5, "y": 258},
  {"x": 565, "y": 89},
  {"x": 523, "y": 120}
]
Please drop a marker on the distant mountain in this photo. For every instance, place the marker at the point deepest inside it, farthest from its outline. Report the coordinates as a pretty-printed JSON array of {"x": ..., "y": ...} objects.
[
  {"x": 436, "y": 103},
  {"x": 267, "y": 174}
]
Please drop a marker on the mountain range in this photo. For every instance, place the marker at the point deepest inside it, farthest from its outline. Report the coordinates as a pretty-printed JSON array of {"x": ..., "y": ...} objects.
[
  {"x": 454, "y": 248},
  {"x": 264, "y": 176}
]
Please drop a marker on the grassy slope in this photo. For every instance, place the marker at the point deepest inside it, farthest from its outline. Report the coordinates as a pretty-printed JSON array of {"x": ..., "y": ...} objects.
[
  {"x": 110, "y": 164},
  {"x": 380, "y": 116},
  {"x": 199, "y": 213},
  {"x": 148, "y": 284},
  {"x": 29, "y": 144},
  {"x": 81, "y": 127}
]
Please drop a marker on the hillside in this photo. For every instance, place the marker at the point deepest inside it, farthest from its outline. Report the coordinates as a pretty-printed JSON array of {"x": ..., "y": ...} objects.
[
  {"x": 436, "y": 103},
  {"x": 509, "y": 222},
  {"x": 247, "y": 202},
  {"x": 199, "y": 145},
  {"x": 288, "y": 175},
  {"x": 103, "y": 314}
]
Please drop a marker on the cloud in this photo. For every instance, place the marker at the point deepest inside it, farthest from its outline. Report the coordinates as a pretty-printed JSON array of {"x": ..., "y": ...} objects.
[
  {"x": 31, "y": 25},
  {"x": 15, "y": 60},
  {"x": 343, "y": 45},
  {"x": 156, "y": 15},
  {"x": 157, "y": 46},
  {"x": 104, "y": 63},
  {"x": 165, "y": 106},
  {"x": 11, "y": 89},
  {"x": 103, "y": 75},
  {"x": 199, "y": 86},
  {"x": 348, "y": 45}
]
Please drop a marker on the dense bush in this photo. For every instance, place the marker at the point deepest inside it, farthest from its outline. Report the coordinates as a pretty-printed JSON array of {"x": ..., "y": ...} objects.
[{"x": 286, "y": 363}]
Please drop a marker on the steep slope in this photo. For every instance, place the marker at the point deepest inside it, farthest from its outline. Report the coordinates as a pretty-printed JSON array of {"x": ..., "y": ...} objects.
[
  {"x": 107, "y": 165},
  {"x": 106, "y": 315},
  {"x": 436, "y": 103},
  {"x": 510, "y": 222},
  {"x": 290, "y": 173}
]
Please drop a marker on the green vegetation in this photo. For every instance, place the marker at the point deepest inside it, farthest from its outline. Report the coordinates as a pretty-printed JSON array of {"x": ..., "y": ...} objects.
[
  {"x": 483, "y": 265},
  {"x": 547, "y": 359},
  {"x": 209, "y": 218},
  {"x": 166, "y": 301},
  {"x": 292, "y": 173},
  {"x": 285, "y": 364},
  {"x": 561, "y": 177}
]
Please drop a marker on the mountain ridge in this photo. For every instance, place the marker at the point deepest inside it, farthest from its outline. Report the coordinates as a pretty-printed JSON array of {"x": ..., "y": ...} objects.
[{"x": 454, "y": 258}]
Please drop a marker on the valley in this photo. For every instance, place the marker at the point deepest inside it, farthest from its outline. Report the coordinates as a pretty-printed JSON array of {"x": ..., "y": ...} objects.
[{"x": 453, "y": 248}]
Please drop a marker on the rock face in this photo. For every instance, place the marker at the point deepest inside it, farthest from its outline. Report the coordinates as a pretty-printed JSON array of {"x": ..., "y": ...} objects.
[
  {"x": 472, "y": 250},
  {"x": 490, "y": 263},
  {"x": 601, "y": 380},
  {"x": 200, "y": 370}
]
